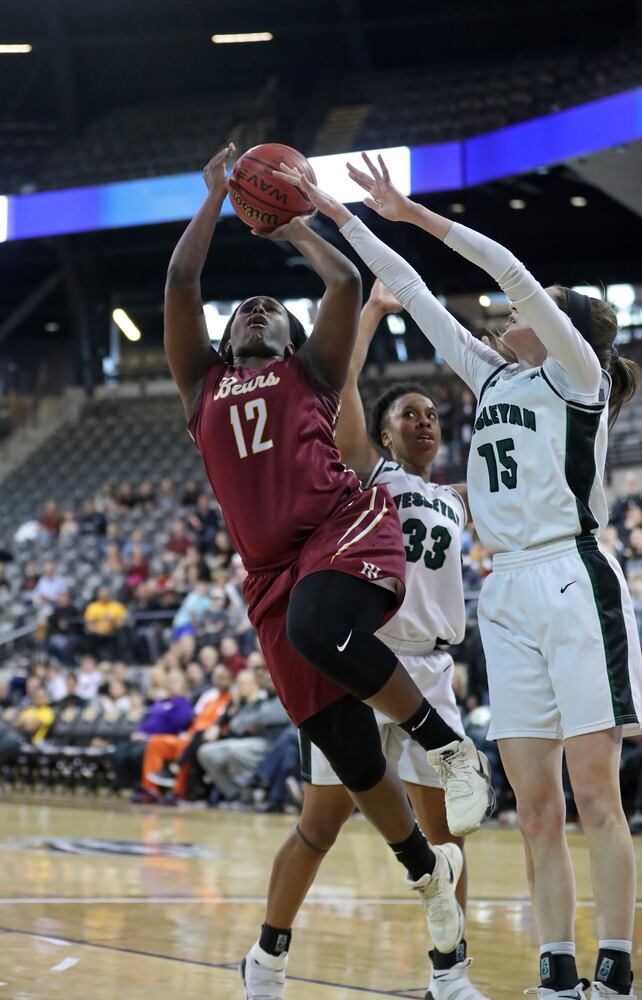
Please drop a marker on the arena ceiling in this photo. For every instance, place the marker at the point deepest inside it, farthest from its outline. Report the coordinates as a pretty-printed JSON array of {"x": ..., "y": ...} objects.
[{"x": 90, "y": 57}]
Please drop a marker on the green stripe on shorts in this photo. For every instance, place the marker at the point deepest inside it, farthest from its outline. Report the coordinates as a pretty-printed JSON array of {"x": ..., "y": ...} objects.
[{"x": 608, "y": 601}]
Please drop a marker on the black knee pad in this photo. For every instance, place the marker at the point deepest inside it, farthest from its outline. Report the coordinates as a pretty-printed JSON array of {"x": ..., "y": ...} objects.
[
  {"x": 346, "y": 732},
  {"x": 330, "y": 622}
]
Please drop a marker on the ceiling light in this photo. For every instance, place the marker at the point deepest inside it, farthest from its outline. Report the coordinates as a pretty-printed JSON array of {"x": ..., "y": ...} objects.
[
  {"x": 127, "y": 325},
  {"x": 14, "y": 50},
  {"x": 249, "y": 36},
  {"x": 578, "y": 201},
  {"x": 457, "y": 208},
  {"x": 52, "y": 327},
  {"x": 622, "y": 296},
  {"x": 484, "y": 301},
  {"x": 517, "y": 203}
]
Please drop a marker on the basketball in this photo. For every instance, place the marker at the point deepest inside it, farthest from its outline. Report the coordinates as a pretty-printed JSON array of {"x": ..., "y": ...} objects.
[{"x": 259, "y": 198}]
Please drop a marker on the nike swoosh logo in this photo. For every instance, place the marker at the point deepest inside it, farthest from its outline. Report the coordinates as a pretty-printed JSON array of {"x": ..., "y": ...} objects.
[
  {"x": 480, "y": 770},
  {"x": 341, "y": 648},
  {"x": 562, "y": 589},
  {"x": 420, "y": 724}
]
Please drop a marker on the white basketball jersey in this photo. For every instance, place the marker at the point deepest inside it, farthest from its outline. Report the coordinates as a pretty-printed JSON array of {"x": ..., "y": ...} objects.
[
  {"x": 432, "y": 519},
  {"x": 536, "y": 461}
]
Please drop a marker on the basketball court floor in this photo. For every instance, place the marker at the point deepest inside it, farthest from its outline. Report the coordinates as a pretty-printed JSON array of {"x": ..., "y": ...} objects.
[{"x": 106, "y": 903}]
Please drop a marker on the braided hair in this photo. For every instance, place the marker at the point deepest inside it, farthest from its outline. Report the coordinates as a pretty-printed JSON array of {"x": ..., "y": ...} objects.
[
  {"x": 297, "y": 332},
  {"x": 381, "y": 408}
]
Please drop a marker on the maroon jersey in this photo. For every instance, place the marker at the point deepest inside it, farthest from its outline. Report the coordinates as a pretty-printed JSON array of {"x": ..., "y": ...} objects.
[{"x": 267, "y": 442}]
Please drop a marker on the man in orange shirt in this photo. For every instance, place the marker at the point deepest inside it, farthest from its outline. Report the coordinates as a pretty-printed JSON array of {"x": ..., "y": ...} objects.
[{"x": 162, "y": 749}]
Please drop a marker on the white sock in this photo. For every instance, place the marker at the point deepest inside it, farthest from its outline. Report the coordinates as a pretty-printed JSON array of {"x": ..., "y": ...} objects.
[
  {"x": 614, "y": 945},
  {"x": 559, "y": 948}
]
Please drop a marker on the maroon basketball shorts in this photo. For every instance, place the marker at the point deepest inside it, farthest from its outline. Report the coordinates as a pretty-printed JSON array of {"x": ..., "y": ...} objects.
[{"x": 364, "y": 540}]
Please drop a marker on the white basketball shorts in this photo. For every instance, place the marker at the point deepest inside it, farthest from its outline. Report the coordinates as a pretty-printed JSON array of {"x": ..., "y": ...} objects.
[
  {"x": 561, "y": 643},
  {"x": 433, "y": 675}
]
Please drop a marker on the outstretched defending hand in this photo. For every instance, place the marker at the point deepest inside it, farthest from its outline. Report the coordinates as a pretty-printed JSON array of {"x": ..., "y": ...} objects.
[
  {"x": 322, "y": 202},
  {"x": 288, "y": 231},
  {"x": 383, "y": 299},
  {"x": 384, "y": 198},
  {"x": 214, "y": 173}
]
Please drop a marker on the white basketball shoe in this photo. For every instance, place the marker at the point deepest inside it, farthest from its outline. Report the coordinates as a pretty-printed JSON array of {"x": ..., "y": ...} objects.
[
  {"x": 444, "y": 915},
  {"x": 263, "y": 975},
  {"x": 599, "y": 991},
  {"x": 574, "y": 993},
  {"x": 464, "y": 773},
  {"x": 453, "y": 984}
]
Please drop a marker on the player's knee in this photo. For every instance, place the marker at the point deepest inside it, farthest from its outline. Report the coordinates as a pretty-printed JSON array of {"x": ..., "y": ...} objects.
[
  {"x": 541, "y": 817},
  {"x": 321, "y": 831},
  {"x": 597, "y": 806}
]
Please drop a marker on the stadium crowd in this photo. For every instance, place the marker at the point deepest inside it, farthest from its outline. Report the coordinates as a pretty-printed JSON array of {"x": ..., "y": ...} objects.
[{"x": 159, "y": 672}]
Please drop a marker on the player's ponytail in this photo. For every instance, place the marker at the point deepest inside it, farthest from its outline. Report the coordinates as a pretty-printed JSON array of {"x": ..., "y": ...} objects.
[{"x": 600, "y": 329}]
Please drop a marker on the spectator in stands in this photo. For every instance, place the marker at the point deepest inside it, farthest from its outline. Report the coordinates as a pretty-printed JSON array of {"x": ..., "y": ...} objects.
[
  {"x": 92, "y": 522},
  {"x": 192, "y": 611},
  {"x": 36, "y": 720},
  {"x": 136, "y": 567},
  {"x": 632, "y": 497},
  {"x": 69, "y": 526},
  {"x": 117, "y": 697},
  {"x": 222, "y": 549},
  {"x": 51, "y": 517},
  {"x": 89, "y": 678},
  {"x": 190, "y": 495},
  {"x": 49, "y": 587},
  {"x": 71, "y": 698},
  {"x": 104, "y": 622},
  {"x": 254, "y": 723},
  {"x": 209, "y": 657},
  {"x": 146, "y": 635},
  {"x": 55, "y": 683},
  {"x": 167, "y": 494},
  {"x": 179, "y": 540},
  {"x": 30, "y": 578},
  {"x": 632, "y": 520},
  {"x": 204, "y": 521},
  {"x": 231, "y": 657},
  {"x": 466, "y": 422},
  {"x": 611, "y": 543},
  {"x": 634, "y": 552},
  {"x": 277, "y": 776},
  {"x": 147, "y": 495},
  {"x": 170, "y": 714},
  {"x": 215, "y": 622},
  {"x": 137, "y": 538},
  {"x": 126, "y": 497},
  {"x": 113, "y": 536},
  {"x": 196, "y": 682},
  {"x": 64, "y": 638},
  {"x": 166, "y": 763}
]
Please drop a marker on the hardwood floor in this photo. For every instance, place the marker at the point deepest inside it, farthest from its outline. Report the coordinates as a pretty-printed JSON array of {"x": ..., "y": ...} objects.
[{"x": 96, "y": 904}]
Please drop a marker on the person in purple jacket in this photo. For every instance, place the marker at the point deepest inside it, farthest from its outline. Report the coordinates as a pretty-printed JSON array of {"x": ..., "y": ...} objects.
[{"x": 172, "y": 714}]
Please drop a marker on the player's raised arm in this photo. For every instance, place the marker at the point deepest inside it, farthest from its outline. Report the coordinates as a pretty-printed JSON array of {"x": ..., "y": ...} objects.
[
  {"x": 329, "y": 348},
  {"x": 353, "y": 440},
  {"x": 187, "y": 344},
  {"x": 552, "y": 325}
]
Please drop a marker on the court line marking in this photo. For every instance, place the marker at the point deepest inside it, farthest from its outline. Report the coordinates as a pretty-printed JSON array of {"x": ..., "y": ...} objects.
[
  {"x": 508, "y": 901},
  {"x": 224, "y": 966}
]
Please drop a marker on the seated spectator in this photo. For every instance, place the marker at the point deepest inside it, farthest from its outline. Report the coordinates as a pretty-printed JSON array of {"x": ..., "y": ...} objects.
[
  {"x": 92, "y": 521},
  {"x": 231, "y": 657},
  {"x": 137, "y": 537},
  {"x": 215, "y": 622},
  {"x": 64, "y": 630},
  {"x": 51, "y": 517},
  {"x": 256, "y": 719},
  {"x": 166, "y": 763},
  {"x": 191, "y": 491},
  {"x": 631, "y": 498},
  {"x": 36, "y": 720},
  {"x": 179, "y": 541},
  {"x": 126, "y": 496},
  {"x": 167, "y": 494},
  {"x": 192, "y": 611},
  {"x": 113, "y": 536},
  {"x": 610, "y": 541},
  {"x": 49, "y": 587},
  {"x": 55, "y": 683},
  {"x": 71, "y": 698},
  {"x": 69, "y": 526},
  {"x": 104, "y": 621},
  {"x": 209, "y": 657},
  {"x": 276, "y": 780},
  {"x": 170, "y": 714},
  {"x": 196, "y": 682},
  {"x": 30, "y": 578},
  {"x": 204, "y": 521},
  {"x": 222, "y": 549},
  {"x": 136, "y": 567},
  {"x": 89, "y": 678},
  {"x": 147, "y": 495},
  {"x": 117, "y": 697}
]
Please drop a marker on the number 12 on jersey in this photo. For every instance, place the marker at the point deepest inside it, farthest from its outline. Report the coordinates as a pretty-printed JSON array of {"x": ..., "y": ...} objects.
[{"x": 254, "y": 409}]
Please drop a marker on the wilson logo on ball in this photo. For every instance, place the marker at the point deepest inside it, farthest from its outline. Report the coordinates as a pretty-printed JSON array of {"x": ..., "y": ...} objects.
[{"x": 252, "y": 213}]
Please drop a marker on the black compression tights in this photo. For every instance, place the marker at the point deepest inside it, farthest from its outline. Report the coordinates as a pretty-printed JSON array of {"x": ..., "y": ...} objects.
[{"x": 331, "y": 620}]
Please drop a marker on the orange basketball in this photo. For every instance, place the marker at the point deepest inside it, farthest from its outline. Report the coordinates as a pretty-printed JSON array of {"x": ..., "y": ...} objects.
[{"x": 259, "y": 198}]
